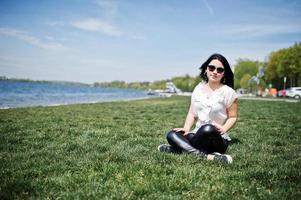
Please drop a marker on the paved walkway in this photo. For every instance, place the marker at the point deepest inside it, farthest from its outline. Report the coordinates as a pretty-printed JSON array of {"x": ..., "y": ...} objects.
[{"x": 269, "y": 99}]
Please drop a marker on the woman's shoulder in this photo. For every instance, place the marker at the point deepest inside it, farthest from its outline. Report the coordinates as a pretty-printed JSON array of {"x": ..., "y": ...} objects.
[
  {"x": 200, "y": 85},
  {"x": 230, "y": 94},
  {"x": 228, "y": 89},
  {"x": 198, "y": 89}
]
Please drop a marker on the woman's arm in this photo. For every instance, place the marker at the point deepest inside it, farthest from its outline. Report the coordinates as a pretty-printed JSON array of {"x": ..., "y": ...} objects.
[
  {"x": 232, "y": 118},
  {"x": 190, "y": 119}
]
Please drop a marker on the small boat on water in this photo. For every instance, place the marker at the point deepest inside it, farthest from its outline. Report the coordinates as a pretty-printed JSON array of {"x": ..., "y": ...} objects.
[{"x": 170, "y": 90}]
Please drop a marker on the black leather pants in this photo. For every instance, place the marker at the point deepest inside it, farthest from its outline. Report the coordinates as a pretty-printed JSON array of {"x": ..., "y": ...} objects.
[{"x": 205, "y": 140}]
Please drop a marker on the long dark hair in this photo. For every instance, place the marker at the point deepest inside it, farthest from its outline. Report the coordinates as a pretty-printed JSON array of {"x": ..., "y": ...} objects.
[{"x": 228, "y": 74}]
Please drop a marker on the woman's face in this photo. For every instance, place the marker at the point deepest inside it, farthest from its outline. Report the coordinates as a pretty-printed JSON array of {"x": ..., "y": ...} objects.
[{"x": 215, "y": 71}]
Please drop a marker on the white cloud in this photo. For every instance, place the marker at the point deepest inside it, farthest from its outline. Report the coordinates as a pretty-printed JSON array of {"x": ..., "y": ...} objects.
[
  {"x": 254, "y": 30},
  {"x": 106, "y": 4},
  {"x": 55, "y": 23},
  {"x": 210, "y": 9},
  {"x": 108, "y": 8},
  {"x": 24, "y": 36},
  {"x": 97, "y": 26},
  {"x": 137, "y": 37}
]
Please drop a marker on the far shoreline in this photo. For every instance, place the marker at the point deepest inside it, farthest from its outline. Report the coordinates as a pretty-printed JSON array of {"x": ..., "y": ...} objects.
[
  {"x": 82, "y": 103},
  {"x": 144, "y": 98}
]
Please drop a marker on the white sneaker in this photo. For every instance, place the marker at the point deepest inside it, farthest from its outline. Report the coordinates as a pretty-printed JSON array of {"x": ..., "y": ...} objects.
[{"x": 222, "y": 157}]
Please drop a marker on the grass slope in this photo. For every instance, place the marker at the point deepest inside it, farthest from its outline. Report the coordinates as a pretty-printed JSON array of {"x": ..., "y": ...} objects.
[{"x": 109, "y": 151}]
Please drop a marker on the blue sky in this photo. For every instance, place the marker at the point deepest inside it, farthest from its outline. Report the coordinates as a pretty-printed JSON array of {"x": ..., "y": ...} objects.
[{"x": 138, "y": 40}]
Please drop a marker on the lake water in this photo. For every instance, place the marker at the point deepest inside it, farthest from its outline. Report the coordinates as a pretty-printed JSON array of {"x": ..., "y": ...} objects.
[{"x": 26, "y": 94}]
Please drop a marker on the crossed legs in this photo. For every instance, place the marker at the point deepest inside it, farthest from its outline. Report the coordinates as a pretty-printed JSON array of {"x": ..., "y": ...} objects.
[{"x": 205, "y": 140}]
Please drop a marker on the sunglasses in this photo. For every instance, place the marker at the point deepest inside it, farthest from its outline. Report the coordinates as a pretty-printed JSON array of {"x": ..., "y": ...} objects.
[{"x": 219, "y": 70}]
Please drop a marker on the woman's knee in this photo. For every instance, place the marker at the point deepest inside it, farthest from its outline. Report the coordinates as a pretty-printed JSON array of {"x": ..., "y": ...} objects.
[
  {"x": 208, "y": 129},
  {"x": 171, "y": 134},
  {"x": 205, "y": 134}
]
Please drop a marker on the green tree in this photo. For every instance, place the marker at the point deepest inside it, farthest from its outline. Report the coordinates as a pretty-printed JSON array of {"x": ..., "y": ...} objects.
[
  {"x": 184, "y": 83},
  {"x": 285, "y": 63},
  {"x": 158, "y": 84},
  {"x": 244, "y": 81},
  {"x": 242, "y": 68}
]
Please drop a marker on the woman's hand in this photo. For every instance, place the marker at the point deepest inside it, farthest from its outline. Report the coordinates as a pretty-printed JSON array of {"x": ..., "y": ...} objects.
[
  {"x": 181, "y": 130},
  {"x": 190, "y": 119}
]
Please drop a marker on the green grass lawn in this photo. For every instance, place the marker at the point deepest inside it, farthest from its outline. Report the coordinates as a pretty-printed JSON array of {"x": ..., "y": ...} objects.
[{"x": 109, "y": 151}]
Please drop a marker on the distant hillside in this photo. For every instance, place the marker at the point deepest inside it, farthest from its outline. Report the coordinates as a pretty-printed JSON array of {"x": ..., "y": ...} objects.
[
  {"x": 4, "y": 78},
  {"x": 185, "y": 83}
]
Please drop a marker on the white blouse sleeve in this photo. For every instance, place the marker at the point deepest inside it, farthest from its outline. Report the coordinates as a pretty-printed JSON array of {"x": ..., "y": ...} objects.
[
  {"x": 231, "y": 96},
  {"x": 193, "y": 101}
]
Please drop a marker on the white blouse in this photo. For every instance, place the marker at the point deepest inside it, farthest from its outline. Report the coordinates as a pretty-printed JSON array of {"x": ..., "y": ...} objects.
[{"x": 211, "y": 106}]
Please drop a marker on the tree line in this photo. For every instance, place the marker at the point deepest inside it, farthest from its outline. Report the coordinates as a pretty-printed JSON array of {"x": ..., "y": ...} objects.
[
  {"x": 185, "y": 83},
  {"x": 282, "y": 69}
]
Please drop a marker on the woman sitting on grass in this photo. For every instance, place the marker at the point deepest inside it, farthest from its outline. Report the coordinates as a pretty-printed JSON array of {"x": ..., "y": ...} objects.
[{"x": 214, "y": 109}]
